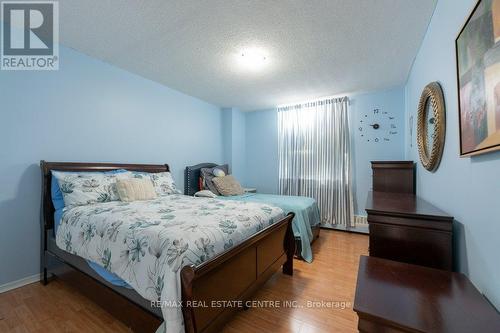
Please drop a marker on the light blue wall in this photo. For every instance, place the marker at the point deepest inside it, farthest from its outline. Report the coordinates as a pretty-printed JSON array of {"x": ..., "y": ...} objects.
[
  {"x": 262, "y": 150},
  {"x": 227, "y": 136},
  {"x": 233, "y": 124},
  {"x": 87, "y": 111},
  {"x": 467, "y": 188},
  {"x": 238, "y": 162},
  {"x": 392, "y": 102},
  {"x": 262, "y": 143}
]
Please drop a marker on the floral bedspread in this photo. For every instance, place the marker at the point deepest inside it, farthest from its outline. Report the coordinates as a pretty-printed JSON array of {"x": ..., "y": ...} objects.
[{"x": 146, "y": 243}]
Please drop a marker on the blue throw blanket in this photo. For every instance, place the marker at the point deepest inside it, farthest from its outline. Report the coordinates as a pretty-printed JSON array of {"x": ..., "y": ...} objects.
[{"x": 306, "y": 214}]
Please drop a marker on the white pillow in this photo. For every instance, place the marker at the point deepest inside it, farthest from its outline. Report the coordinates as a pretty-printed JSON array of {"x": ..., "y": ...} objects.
[
  {"x": 135, "y": 189},
  {"x": 162, "y": 181},
  {"x": 84, "y": 188},
  {"x": 205, "y": 194},
  {"x": 218, "y": 172}
]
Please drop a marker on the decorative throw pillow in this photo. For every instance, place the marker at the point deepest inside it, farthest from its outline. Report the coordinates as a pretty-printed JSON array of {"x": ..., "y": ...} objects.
[
  {"x": 135, "y": 189},
  {"x": 85, "y": 188},
  {"x": 228, "y": 185},
  {"x": 163, "y": 182},
  {"x": 57, "y": 195},
  {"x": 208, "y": 174}
]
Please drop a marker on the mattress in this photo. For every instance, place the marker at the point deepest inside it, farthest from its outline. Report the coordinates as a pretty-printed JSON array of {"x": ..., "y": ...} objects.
[{"x": 306, "y": 214}]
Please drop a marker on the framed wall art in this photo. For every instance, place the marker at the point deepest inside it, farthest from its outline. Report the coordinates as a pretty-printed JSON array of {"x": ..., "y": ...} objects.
[{"x": 478, "y": 71}]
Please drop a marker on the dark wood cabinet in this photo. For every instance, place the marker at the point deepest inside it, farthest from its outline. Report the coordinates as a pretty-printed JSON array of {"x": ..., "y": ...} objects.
[
  {"x": 405, "y": 228},
  {"x": 394, "y": 176},
  {"x": 398, "y": 297},
  {"x": 407, "y": 284}
]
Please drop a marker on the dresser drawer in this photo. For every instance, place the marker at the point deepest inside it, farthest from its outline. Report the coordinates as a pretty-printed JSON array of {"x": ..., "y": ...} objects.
[
  {"x": 406, "y": 228},
  {"x": 413, "y": 245}
]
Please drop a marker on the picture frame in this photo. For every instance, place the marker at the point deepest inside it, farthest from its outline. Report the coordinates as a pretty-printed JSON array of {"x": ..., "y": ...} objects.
[{"x": 478, "y": 79}]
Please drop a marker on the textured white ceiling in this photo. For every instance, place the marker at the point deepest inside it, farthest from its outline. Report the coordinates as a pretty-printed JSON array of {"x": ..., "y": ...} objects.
[{"x": 314, "y": 48}]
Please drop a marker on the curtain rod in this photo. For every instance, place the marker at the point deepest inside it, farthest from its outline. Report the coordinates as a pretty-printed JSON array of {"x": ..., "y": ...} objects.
[{"x": 320, "y": 101}]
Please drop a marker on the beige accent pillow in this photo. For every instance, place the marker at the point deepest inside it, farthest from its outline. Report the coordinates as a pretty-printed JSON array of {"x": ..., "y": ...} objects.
[
  {"x": 228, "y": 185},
  {"x": 135, "y": 189}
]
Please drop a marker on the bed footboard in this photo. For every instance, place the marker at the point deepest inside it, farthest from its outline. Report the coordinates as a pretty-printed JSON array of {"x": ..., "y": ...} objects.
[{"x": 234, "y": 276}]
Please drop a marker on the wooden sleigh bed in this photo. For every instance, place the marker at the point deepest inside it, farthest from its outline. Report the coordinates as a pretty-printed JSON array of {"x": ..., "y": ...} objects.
[{"x": 255, "y": 260}]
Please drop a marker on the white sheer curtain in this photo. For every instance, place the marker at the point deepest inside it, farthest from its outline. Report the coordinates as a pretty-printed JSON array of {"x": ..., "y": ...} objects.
[{"x": 315, "y": 156}]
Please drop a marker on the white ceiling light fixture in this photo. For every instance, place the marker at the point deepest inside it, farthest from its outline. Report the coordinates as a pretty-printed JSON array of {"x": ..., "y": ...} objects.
[{"x": 252, "y": 59}]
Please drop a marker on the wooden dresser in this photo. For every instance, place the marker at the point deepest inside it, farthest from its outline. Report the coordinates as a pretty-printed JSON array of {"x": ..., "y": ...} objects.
[
  {"x": 398, "y": 297},
  {"x": 394, "y": 176},
  {"x": 405, "y": 228}
]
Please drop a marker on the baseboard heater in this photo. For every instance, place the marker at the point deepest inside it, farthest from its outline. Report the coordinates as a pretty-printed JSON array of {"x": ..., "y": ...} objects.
[{"x": 359, "y": 219}]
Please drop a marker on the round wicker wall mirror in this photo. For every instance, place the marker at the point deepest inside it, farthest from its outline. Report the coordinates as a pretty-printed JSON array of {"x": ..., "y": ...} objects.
[{"x": 431, "y": 124}]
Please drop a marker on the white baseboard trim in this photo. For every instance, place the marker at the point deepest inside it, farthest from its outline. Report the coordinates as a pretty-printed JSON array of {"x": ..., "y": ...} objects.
[
  {"x": 19, "y": 283},
  {"x": 360, "y": 229}
]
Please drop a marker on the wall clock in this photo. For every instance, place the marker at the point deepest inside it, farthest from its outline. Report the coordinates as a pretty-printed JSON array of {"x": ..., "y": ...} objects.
[{"x": 377, "y": 126}]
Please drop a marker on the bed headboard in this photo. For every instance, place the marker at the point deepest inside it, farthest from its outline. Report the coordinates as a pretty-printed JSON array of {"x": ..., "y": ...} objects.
[
  {"x": 47, "y": 213},
  {"x": 192, "y": 176}
]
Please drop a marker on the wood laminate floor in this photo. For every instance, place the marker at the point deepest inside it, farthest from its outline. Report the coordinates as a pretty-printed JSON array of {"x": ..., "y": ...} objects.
[{"x": 320, "y": 297}]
